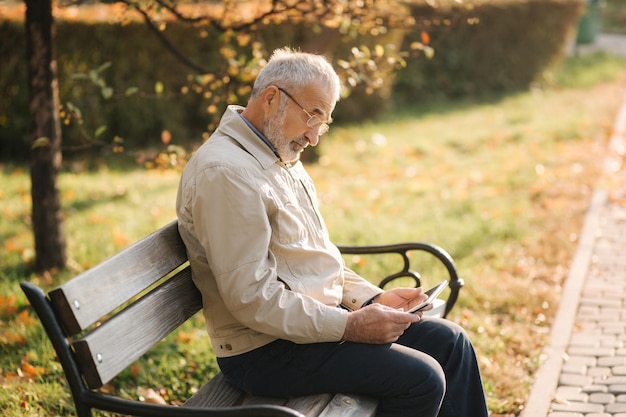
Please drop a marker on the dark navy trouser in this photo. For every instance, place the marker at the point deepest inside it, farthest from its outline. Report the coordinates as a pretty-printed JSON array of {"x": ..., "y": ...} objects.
[{"x": 433, "y": 361}]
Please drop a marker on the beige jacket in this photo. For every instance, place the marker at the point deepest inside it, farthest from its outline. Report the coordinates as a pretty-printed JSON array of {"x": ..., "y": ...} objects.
[{"x": 259, "y": 250}]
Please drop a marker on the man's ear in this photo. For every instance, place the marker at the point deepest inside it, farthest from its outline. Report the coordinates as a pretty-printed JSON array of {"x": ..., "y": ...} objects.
[{"x": 270, "y": 99}]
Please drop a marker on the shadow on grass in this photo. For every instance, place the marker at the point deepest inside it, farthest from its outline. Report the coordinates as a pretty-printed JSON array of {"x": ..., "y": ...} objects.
[{"x": 88, "y": 203}]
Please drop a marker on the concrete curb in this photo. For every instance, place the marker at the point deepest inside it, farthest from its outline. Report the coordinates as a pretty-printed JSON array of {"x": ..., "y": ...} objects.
[
  {"x": 606, "y": 42},
  {"x": 547, "y": 378}
]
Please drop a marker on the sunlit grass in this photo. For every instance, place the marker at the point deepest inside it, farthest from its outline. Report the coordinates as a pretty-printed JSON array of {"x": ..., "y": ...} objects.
[{"x": 502, "y": 185}]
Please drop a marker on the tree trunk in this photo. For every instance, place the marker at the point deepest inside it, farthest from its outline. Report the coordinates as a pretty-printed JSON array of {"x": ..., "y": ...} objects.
[{"x": 46, "y": 154}]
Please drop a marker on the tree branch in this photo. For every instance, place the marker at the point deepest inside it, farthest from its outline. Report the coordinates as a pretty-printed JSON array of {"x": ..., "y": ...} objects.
[
  {"x": 165, "y": 40},
  {"x": 277, "y": 6}
]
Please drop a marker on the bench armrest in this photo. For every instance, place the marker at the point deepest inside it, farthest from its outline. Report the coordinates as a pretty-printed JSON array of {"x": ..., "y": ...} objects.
[{"x": 403, "y": 249}]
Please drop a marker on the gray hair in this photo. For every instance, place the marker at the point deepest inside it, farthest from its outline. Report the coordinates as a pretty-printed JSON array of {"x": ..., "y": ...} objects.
[{"x": 294, "y": 70}]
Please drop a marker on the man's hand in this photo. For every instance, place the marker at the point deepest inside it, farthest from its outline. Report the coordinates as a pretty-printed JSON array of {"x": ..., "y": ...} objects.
[
  {"x": 402, "y": 298},
  {"x": 378, "y": 324},
  {"x": 385, "y": 320}
]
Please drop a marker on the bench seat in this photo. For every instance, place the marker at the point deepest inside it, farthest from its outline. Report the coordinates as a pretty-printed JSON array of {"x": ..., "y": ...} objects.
[{"x": 219, "y": 393}]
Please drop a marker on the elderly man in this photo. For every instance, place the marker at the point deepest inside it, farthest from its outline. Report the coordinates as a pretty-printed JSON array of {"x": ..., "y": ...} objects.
[{"x": 284, "y": 314}]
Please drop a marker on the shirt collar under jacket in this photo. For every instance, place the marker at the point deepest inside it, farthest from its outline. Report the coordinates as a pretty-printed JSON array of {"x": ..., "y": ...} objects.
[{"x": 260, "y": 135}]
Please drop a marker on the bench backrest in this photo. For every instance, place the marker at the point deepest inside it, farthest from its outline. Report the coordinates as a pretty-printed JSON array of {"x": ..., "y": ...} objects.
[{"x": 150, "y": 282}]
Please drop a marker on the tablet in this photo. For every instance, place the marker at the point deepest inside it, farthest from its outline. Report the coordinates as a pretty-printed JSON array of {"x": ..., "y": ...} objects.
[{"x": 432, "y": 294}]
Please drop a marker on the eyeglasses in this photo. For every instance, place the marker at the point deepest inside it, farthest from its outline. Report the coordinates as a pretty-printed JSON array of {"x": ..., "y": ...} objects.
[{"x": 313, "y": 119}]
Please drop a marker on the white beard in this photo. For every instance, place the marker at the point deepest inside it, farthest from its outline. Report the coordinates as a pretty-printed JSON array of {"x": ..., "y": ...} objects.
[{"x": 273, "y": 130}]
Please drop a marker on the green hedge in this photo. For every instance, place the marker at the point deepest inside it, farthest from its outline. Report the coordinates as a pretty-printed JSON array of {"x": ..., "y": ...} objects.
[
  {"x": 137, "y": 61},
  {"x": 514, "y": 43},
  {"x": 613, "y": 16}
]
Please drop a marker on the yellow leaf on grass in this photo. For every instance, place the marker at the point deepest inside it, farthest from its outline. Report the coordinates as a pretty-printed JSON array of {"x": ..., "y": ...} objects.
[
  {"x": 183, "y": 337},
  {"x": 120, "y": 239},
  {"x": 96, "y": 218},
  {"x": 13, "y": 244},
  {"x": 135, "y": 369},
  {"x": 166, "y": 137},
  {"x": 8, "y": 305},
  {"x": 25, "y": 319},
  {"x": 32, "y": 371},
  {"x": 11, "y": 337}
]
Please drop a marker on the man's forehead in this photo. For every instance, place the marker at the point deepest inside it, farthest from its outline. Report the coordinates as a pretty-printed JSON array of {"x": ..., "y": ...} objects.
[{"x": 319, "y": 100}]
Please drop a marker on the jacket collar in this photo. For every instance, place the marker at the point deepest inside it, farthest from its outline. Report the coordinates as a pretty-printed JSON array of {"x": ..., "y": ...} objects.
[{"x": 237, "y": 128}]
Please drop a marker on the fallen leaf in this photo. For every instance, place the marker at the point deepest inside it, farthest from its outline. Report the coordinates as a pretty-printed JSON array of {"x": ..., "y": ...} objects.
[
  {"x": 150, "y": 396},
  {"x": 25, "y": 318},
  {"x": 166, "y": 137},
  {"x": 31, "y": 370},
  {"x": 134, "y": 370},
  {"x": 120, "y": 239},
  {"x": 8, "y": 305},
  {"x": 11, "y": 337}
]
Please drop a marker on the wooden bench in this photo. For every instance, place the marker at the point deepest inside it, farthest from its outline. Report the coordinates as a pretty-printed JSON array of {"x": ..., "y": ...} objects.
[{"x": 104, "y": 319}]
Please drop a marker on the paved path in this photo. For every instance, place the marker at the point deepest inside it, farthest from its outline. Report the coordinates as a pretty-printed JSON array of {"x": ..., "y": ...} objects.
[
  {"x": 584, "y": 374},
  {"x": 607, "y": 42}
]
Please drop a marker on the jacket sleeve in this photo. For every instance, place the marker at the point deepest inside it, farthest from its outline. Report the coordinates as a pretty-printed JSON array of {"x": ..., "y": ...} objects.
[
  {"x": 231, "y": 220},
  {"x": 357, "y": 290}
]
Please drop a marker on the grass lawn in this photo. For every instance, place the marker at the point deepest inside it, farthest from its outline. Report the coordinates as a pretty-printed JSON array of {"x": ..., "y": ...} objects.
[{"x": 503, "y": 185}]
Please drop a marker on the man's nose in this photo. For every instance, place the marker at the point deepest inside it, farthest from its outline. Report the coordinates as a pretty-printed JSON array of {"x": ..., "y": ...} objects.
[{"x": 312, "y": 135}]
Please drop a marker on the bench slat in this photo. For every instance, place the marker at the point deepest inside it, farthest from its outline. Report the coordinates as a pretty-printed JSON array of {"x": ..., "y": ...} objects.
[
  {"x": 106, "y": 286},
  {"x": 215, "y": 393},
  {"x": 311, "y": 405},
  {"x": 219, "y": 393},
  {"x": 118, "y": 342},
  {"x": 343, "y": 405}
]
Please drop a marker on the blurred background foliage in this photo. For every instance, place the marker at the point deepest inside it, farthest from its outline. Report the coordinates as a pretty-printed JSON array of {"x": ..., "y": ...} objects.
[
  {"x": 120, "y": 88},
  {"x": 613, "y": 15}
]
